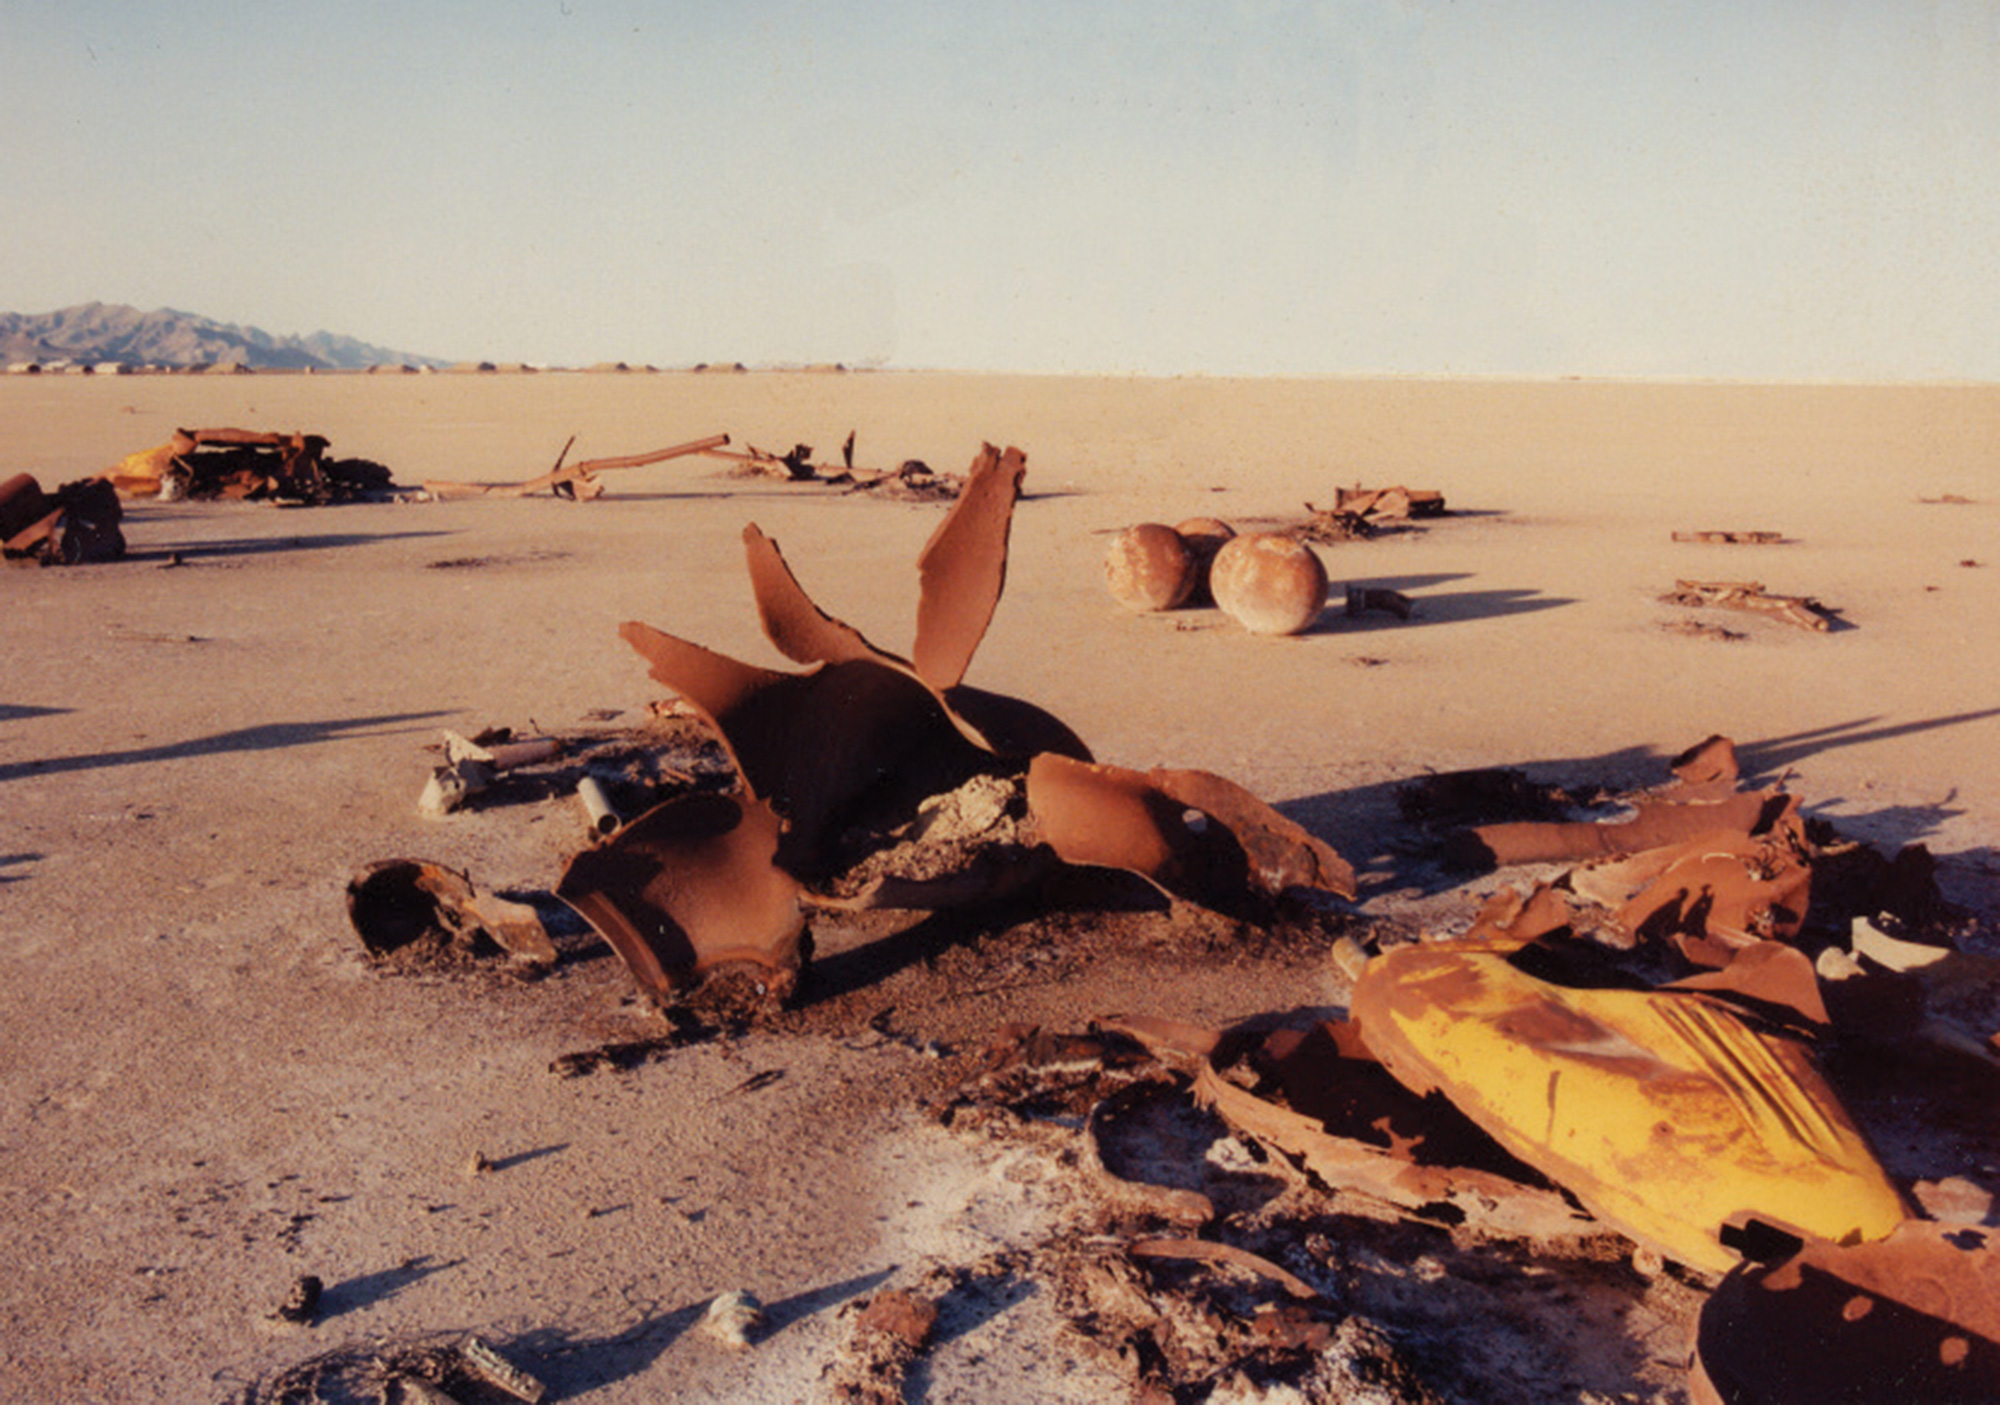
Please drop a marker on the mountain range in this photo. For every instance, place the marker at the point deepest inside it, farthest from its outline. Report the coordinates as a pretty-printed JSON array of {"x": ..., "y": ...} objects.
[{"x": 95, "y": 332}]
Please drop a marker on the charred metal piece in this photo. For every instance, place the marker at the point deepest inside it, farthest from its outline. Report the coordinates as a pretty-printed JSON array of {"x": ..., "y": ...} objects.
[
  {"x": 1800, "y": 610},
  {"x": 77, "y": 523},
  {"x": 413, "y": 912},
  {"x": 1913, "y": 1317},
  {"x": 247, "y": 464},
  {"x": 690, "y": 887},
  {"x": 1732, "y": 538}
]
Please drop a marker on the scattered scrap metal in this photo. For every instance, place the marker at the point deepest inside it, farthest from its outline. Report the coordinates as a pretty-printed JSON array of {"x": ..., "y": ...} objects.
[
  {"x": 1732, "y": 538},
  {"x": 77, "y": 523},
  {"x": 578, "y": 481},
  {"x": 864, "y": 750},
  {"x": 242, "y": 464},
  {"x": 1360, "y": 513},
  {"x": 1800, "y": 610}
]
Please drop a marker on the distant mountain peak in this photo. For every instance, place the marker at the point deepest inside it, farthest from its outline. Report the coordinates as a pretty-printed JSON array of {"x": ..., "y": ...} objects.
[{"x": 95, "y": 332}]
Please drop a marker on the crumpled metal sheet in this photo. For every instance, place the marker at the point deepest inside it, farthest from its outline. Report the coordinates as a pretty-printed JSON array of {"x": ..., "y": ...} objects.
[
  {"x": 1659, "y": 822},
  {"x": 1665, "y": 1113},
  {"x": 77, "y": 523},
  {"x": 1915, "y": 1317},
  {"x": 690, "y": 887},
  {"x": 1191, "y": 834},
  {"x": 412, "y": 911},
  {"x": 1800, "y": 610},
  {"x": 1323, "y": 1100}
]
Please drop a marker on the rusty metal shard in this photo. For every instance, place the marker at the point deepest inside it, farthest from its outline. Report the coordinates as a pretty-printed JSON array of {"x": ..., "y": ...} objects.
[
  {"x": 1216, "y": 1252},
  {"x": 963, "y": 568},
  {"x": 412, "y": 911},
  {"x": 1800, "y": 610},
  {"x": 1915, "y": 1317},
  {"x": 578, "y": 480},
  {"x": 77, "y": 523},
  {"x": 1665, "y": 1113},
  {"x": 1732, "y": 538},
  {"x": 690, "y": 886},
  {"x": 1356, "y": 1128},
  {"x": 1191, "y": 834},
  {"x": 802, "y": 631},
  {"x": 1659, "y": 822}
]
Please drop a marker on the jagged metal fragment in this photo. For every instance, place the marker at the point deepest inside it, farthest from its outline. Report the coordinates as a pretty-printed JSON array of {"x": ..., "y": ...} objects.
[
  {"x": 1322, "y": 1099},
  {"x": 963, "y": 568},
  {"x": 1191, "y": 834},
  {"x": 691, "y": 886},
  {"x": 1666, "y": 1113},
  {"x": 412, "y": 910},
  {"x": 1915, "y": 1317}
]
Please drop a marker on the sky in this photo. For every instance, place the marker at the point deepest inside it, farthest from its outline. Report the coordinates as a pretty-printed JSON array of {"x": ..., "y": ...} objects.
[{"x": 1782, "y": 189}]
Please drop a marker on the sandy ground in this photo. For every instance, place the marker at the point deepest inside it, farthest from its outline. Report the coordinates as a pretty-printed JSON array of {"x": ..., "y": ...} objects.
[{"x": 207, "y": 1091}]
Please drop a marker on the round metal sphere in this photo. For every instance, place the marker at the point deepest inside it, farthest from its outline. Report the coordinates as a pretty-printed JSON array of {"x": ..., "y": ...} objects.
[
  {"x": 1268, "y": 583},
  {"x": 1149, "y": 568},
  {"x": 1204, "y": 537}
]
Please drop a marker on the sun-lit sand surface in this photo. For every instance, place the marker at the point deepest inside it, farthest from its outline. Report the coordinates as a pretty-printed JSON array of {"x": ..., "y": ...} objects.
[{"x": 206, "y": 1092}]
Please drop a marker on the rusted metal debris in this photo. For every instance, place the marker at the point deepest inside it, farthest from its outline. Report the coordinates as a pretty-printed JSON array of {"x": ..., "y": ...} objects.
[
  {"x": 77, "y": 523},
  {"x": 577, "y": 481},
  {"x": 1732, "y": 538},
  {"x": 1269, "y": 583},
  {"x": 1800, "y": 610},
  {"x": 412, "y": 913},
  {"x": 1149, "y": 567},
  {"x": 244, "y": 464},
  {"x": 847, "y": 759},
  {"x": 1913, "y": 1317},
  {"x": 1581, "y": 1083},
  {"x": 471, "y": 765},
  {"x": 1389, "y": 504}
]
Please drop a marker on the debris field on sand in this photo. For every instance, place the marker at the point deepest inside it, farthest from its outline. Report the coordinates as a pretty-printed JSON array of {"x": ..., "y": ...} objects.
[{"x": 1650, "y": 1082}]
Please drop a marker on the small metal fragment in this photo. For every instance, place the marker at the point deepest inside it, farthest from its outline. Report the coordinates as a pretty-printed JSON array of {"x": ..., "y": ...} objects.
[
  {"x": 597, "y": 805},
  {"x": 496, "y": 1370},
  {"x": 734, "y": 1319}
]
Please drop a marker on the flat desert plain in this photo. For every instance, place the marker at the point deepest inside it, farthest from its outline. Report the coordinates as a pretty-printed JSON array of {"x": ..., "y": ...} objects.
[{"x": 209, "y": 1092}]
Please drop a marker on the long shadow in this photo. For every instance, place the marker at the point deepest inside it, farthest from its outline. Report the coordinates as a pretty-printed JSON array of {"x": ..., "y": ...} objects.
[
  {"x": 9, "y": 860},
  {"x": 1776, "y": 753},
  {"x": 19, "y": 712},
  {"x": 266, "y": 736},
  {"x": 966, "y": 1308},
  {"x": 572, "y": 1364},
  {"x": 1451, "y": 607},
  {"x": 254, "y": 546},
  {"x": 371, "y": 1288}
]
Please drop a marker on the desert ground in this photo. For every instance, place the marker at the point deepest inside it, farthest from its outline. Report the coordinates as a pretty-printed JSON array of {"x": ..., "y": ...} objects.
[{"x": 209, "y": 1091}]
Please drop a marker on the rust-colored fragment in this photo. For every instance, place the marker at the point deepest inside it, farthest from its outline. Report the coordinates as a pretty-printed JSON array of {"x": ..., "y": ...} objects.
[
  {"x": 1215, "y": 1252},
  {"x": 411, "y": 912},
  {"x": 1323, "y": 1100},
  {"x": 1192, "y": 834},
  {"x": 691, "y": 886},
  {"x": 578, "y": 480},
  {"x": 1389, "y": 503},
  {"x": 1915, "y": 1317},
  {"x": 1659, "y": 822},
  {"x": 1800, "y": 610},
  {"x": 1732, "y": 538},
  {"x": 1723, "y": 890},
  {"x": 77, "y": 523},
  {"x": 802, "y": 631},
  {"x": 963, "y": 568}
]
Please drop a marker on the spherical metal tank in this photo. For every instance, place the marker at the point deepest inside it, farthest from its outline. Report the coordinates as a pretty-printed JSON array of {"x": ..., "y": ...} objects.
[
  {"x": 1149, "y": 567},
  {"x": 1269, "y": 584}
]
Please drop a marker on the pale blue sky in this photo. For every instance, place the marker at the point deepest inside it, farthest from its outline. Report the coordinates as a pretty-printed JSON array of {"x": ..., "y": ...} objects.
[{"x": 1709, "y": 188}]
